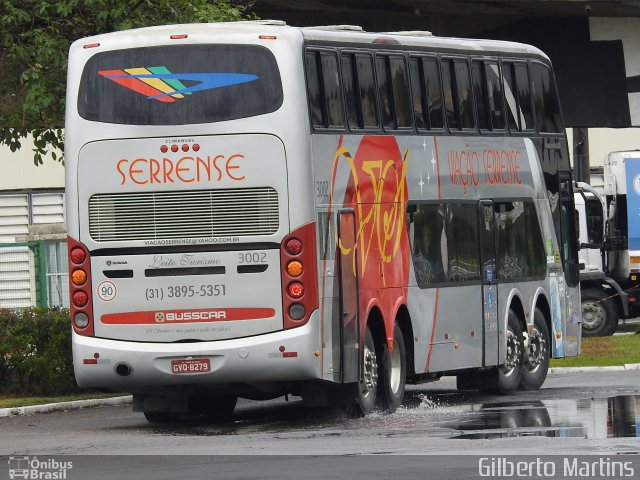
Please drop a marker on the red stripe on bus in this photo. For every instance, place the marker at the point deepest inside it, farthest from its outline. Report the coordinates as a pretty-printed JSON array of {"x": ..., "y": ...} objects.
[
  {"x": 433, "y": 329},
  {"x": 90, "y": 361},
  {"x": 136, "y": 85},
  {"x": 187, "y": 316}
]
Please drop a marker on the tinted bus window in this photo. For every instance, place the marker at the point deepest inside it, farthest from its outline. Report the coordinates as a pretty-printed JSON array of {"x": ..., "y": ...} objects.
[
  {"x": 400, "y": 85},
  {"x": 524, "y": 96},
  {"x": 426, "y": 228},
  {"x": 494, "y": 95},
  {"x": 332, "y": 89},
  {"x": 179, "y": 84},
  {"x": 520, "y": 250},
  {"x": 510, "y": 96},
  {"x": 350, "y": 81},
  {"x": 547, "y": 106},
  {"x": 480, "y": 94},
  {"x": 418, "y": 93},
  {"x": 434, "y": 92},
  {"x": 314, "y": 90},
  {"x": 384, "y": 93},
  {"x": 450, "y": 98},
  {"x": 465, "y": 96},
  {"x": 462, "y": 242},
  {"x": 366, "y": 84}
]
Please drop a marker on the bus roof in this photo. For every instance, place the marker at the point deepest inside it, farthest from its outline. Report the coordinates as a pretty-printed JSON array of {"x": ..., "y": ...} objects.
[{"x": 344, "y": 34}]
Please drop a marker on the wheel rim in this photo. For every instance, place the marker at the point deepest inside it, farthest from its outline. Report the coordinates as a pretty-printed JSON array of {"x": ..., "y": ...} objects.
[
  {"x": 536, "y": 348},
  {"x": 395, "y": 369},
  {"x": 593, "y": 315},
  {"x": 370, "y": 372},
  {"x": 513, "y": 353}
]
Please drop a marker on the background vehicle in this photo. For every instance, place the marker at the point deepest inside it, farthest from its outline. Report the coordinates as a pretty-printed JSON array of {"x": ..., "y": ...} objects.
[
  {"x": 228, "y": 238},
  {"x": 609, "y": 217}
]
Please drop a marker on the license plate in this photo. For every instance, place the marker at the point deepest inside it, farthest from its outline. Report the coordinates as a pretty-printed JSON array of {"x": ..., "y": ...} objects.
[{"x": 195, "y": 365}]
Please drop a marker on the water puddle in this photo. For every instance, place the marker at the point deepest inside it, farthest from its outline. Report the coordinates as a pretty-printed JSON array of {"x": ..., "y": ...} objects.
[{"x": 594, "y": 418}]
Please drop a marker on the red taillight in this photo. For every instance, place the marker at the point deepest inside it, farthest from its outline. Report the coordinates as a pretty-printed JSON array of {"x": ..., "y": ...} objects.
[
  {"x": 196, "y": 147},
  {"x": 174, "y": 148},
  {"x": 293, "y": 246},
  {"x": 295, "y": 290},
  {"x": 164, "y": 148},
  {"x": 77, "y": 256},
  {"x": 185, "y": 147},
  {"x": 299, "y": 275},
  {"x": 80, "y": 288},
  {"x": 80, "y": 299}
]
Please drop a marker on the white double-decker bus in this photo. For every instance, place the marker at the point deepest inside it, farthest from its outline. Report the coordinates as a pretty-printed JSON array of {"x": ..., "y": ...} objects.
[{"x": 257, "y": 210}]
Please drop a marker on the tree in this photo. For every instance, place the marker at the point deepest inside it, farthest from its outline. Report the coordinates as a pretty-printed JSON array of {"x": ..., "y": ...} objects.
[{"x": 35, "y": 36}]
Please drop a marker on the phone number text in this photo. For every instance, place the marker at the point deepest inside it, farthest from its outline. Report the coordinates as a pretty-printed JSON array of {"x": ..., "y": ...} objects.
[{"x": 186, "y": 291}]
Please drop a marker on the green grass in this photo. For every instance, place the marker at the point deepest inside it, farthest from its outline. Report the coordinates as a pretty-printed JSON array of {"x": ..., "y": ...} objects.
[
  {"x": 11, "y": 401},
  {"x": 604, "y": 352}
]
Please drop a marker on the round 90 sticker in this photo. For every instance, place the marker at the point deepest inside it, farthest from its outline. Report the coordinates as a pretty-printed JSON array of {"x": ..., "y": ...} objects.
[{"x": 107, "y": 291}]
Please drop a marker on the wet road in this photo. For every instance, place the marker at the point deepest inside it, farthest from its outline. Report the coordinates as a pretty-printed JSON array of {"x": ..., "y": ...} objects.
[{"x": 574, "y": 413}]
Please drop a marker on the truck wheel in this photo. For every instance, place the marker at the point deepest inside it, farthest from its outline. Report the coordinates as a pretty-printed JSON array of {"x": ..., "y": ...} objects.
[
  {"x": 394, "y": 367},
  {"x": 599, "y": 314},
  {"x": 536, "y": 354}
]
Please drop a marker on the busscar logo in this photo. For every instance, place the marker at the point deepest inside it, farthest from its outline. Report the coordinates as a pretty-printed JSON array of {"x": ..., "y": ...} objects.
[
  {"x": 160, "y": 317},
  {"x": 159, "y": 83}
]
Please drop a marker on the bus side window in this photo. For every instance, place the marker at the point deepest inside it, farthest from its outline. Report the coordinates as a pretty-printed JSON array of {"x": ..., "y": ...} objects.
[
  {"x": 510, "y": 97},
  {"x": 400, "y": 87},
  {"x": 332, "y": 89},
  {"x": 495, "y": 96},
  {"x": 384, "y": 92},
  {"x": 524, "y": 95},
  {"x": 434, "y": 92},
  {"x": 418, "y": 93},
  {"x": 450, "y": 97},
  {"x": 366, "y": 84},
  {"x": 545, "y": 100},
  {"x": 351, "y": 97},
  {"x": 314, "y": 90},
  {"x": 481, "y": 96},
  {"x": 465, "y": 96}
]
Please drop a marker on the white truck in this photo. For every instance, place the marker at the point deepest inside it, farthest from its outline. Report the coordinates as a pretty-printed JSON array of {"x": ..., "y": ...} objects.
[{"x": 609, "y": 233}]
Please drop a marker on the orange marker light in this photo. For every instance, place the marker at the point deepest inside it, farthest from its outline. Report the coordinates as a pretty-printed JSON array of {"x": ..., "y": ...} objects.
[
  {"x": 79, "y": 277},
  {"x": 294, "y": 268}
]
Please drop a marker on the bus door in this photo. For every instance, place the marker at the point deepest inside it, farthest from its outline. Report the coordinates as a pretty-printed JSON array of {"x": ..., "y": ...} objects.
[
  {"x": 490, "y": 344},
  {"x": 350, "y": 344}
]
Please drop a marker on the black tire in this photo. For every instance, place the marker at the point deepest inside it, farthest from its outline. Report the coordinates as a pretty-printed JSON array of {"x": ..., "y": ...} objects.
[
  {"x": 367, "y": 398},
  {"x": 162, "y": 417},
  {"x": 394, "y": 370},
  {"x": 536, "y": 354},
  {"x": 599, "y": 314},
  {"x": 510, "y": 373}
]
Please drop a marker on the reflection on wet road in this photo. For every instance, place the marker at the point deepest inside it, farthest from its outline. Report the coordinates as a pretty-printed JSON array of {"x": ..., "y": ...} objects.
[{"x": 452, "y": 415}]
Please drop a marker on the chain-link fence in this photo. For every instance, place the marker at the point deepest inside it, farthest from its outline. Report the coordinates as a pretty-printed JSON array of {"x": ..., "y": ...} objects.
[{"x": 34, "y": 274}]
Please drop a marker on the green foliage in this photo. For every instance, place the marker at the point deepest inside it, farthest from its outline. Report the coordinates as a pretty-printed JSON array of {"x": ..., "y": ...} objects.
[
  {"x": 35, "y": 352},
  {"x": 35, "y": 36}
]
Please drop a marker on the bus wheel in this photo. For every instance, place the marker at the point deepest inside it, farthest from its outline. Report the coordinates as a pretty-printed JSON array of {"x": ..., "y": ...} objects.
[
  {"x": 367, "y": 395},
  {"x": 536, "y": 354},
  {"x": 510, "y": 373},
  {"x": 394, "y": 367},
  {"x": 599, "y": 315},
  {"x": 162, "y": 417}
]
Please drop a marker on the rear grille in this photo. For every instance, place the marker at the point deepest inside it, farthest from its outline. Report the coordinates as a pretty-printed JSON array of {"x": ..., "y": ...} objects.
[{"x": 190, "y": 214}]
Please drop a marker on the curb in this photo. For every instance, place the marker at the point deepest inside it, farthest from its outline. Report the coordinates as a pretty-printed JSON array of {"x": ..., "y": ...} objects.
[
  {"x": 627, "y": 366},
  {"x": 58, "y": 407}
]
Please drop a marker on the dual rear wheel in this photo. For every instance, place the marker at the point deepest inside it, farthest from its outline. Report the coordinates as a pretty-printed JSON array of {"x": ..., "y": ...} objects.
[{"x": 383, "y": 375}]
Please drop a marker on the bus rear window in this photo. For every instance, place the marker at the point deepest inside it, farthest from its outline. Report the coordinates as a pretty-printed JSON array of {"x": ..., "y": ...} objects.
[{"x": 181, "y": 84}]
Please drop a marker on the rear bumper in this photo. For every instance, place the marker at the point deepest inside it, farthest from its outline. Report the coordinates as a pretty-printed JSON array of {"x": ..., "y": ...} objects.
[{"x": 283, "y": 356}]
